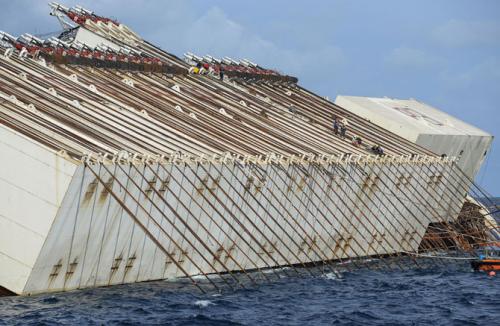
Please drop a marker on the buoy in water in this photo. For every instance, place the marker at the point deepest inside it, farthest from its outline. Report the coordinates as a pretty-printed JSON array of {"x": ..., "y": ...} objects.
[{"x": 492, "y": 273}]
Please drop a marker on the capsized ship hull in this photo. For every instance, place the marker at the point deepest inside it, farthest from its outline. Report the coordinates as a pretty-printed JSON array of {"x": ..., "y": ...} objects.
[
  {"x": 119, "y": 166},
  {"x": 125, "y": 223}
]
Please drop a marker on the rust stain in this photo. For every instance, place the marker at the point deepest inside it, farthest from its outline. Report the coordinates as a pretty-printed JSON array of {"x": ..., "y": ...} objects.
[
  {"x": 89, "y": 192},
  {"x": 71, "y": 269},
  {"x": 105, "y": 192},
  {"x": 116, "y": 264},
  {"x": 130, "y": 263}
]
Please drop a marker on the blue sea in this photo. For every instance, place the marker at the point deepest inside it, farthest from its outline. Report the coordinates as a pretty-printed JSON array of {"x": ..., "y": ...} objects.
[{"x": 446, "y": 294}]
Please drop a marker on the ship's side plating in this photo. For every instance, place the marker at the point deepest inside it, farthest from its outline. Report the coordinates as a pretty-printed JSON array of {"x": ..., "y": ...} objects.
[
  {"x": 123, "y": 223},
  {"x": 29, "y": 202}
]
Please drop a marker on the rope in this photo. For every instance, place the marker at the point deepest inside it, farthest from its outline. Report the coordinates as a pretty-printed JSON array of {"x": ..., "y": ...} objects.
[{"x": 439, "y": 257}]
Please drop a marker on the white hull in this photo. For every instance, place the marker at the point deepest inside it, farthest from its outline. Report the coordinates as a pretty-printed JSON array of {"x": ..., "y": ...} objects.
[{"x": 219, "y": 218}]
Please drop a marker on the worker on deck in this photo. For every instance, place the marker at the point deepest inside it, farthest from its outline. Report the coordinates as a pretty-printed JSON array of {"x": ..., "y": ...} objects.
[
  {"x": 343, "y": 128},
  {"x": 221, "y": 72},
  {"x": 357, "y": 141},
  {"x": 378, "y": 150},
  {"x": 205, "y": 68},
  {"x": 196, "y": 69},
  {"x": 335, "y": 126}
]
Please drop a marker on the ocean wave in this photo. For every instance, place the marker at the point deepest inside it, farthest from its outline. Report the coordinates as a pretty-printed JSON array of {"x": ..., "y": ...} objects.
[
  {"x": 203, "y": 303},
  {"x": 443, "y": 296}
]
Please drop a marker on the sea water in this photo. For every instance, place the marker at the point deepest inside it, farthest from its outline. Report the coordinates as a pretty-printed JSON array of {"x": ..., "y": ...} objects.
[{"x": 432, "y": 296}]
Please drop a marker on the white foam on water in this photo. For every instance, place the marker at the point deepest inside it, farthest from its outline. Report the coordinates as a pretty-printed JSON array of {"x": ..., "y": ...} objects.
[
  {"x": 203, "y": 303},
  {"x": 371, "y": 259},
  {"x": 172, "y": 279},
  {"x": 205, "y": 277},
  {"x": 333, "y": 276}
]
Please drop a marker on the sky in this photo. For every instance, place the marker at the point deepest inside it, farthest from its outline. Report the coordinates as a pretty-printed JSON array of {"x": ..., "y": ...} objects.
[{"x": 443, "y": 52}]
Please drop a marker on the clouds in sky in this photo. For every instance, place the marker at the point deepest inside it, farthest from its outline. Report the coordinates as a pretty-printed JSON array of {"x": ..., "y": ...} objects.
[
  {"x": 445, "y": 53},
  {"x": 457, "y": 33},
  {"x": 409, "y": 58}
]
